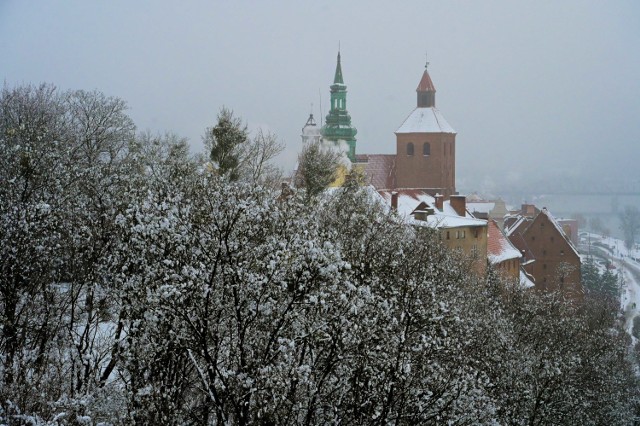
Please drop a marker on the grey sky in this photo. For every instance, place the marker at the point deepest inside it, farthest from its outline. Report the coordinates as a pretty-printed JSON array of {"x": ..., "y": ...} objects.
[{"x": 519, "y": 81}]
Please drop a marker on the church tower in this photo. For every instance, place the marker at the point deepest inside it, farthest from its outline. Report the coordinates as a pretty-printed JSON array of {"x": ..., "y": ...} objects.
[
  {"x": 338, "y": 128},
  {"x": 425, "y": 145}
]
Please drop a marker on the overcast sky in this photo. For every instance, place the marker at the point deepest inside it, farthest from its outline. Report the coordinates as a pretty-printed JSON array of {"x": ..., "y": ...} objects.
[{"x": 532, "y": 87}]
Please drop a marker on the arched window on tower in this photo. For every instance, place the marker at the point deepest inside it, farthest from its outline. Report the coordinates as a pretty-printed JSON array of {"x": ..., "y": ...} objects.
[
  {"x": 410, "y": 148},
  {"x": 426, "y": 149}
]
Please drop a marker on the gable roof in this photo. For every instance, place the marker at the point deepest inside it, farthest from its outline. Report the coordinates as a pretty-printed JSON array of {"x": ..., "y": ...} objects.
[
  {"x": 425, "y": 120},
  {"x": 553, "y": 221},
  {"x": 516, "y": 231},
  {"x": 499, "y": 248}
]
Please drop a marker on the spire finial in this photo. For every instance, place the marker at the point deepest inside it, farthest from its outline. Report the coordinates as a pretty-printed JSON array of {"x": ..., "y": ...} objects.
[{"x": 426, "y": 65}]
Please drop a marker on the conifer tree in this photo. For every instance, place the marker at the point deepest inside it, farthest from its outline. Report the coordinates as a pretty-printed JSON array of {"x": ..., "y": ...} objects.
[{"x": 224, "y": 141}]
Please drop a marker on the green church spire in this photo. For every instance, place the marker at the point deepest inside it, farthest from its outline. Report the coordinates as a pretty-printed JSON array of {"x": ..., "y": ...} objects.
[
  {"x": 337, "y": 79},
  {"x": 338, "y": 126}
]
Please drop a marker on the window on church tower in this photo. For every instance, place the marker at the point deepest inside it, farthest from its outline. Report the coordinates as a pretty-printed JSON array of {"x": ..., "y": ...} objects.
[
  {"x": 426, "y": 149},
  {"x": 410, "y": 148}
]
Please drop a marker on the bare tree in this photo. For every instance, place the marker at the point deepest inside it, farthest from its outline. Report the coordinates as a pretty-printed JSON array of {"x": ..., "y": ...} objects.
[{"x": 255, "y": 157}]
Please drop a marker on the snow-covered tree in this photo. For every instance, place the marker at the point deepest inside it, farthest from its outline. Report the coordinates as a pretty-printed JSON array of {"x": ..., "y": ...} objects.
[{"x": 138, "y": 287}]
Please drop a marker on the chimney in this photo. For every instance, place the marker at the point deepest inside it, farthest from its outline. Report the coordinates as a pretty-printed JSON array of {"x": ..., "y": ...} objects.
[
  {"x": 528, "y": 210},
  {"x": 459, "y": 204},
  {"x": 394, "y": 201},
  {"x": 439, "y": 201}
]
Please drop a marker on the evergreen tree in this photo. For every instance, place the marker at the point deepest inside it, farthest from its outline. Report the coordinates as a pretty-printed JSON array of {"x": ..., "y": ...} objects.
[
  {"x": 225, "y": 141},
  {"x": 317, "y": 168}
]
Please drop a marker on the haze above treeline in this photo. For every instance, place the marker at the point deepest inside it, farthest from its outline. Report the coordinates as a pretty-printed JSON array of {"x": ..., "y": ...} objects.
[{"x": 540, "y": 93}]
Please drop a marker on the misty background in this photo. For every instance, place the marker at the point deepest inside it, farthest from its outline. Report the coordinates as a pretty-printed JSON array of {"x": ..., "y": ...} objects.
[{"x": 543, "y": 95}]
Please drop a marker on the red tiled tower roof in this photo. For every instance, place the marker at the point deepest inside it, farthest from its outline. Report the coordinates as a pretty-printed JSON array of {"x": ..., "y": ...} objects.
[{"x": 426, "y": 85}]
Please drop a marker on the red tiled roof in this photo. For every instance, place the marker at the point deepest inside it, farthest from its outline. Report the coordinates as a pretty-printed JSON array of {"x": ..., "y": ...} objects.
[
  {"x": 379, "y": 169},
  {"x": 426, "y": 85},
  {"x": 499, "y": 248}
]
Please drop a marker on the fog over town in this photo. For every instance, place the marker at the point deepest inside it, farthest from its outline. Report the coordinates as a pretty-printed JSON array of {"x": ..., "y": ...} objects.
[
  {"x": 355, "y": 212},
  {"x": 540, "y": 93}
]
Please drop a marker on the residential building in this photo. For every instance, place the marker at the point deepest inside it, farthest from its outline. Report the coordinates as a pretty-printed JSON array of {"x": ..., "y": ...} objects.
[
  {"x": 549, "y": 255},
  {"x": 458, "y": 229}
]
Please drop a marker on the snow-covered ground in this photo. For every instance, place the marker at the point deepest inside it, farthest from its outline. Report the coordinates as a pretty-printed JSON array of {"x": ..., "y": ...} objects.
[{"x": 626, "y": 263}]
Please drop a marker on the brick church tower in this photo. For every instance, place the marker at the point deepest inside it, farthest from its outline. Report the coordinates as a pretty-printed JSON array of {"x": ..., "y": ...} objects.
[{"x": 426, "y": 146}]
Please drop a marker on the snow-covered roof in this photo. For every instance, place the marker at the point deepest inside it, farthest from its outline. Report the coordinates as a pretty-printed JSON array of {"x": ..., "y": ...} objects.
[
  {"x": 525, "y": 280},
  {"x": 425, "y": 120},
  {"x": 410, "y": 199},
  {"x": 481, "y": 207},
  {"x": 445, "y": 221},
  {"x": 499, "y": 248},
  {"x": 516, "y": 225},
  {"x": 522, "y": 223}
]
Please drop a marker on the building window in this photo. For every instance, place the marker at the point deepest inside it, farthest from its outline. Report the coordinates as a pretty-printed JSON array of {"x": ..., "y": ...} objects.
[
  {"x": 410, "y": 148},
  {"x": 426, "y": 149},
  {"x": 533, "y": 238},
  {"x": 447, "y": 235},
  {"x": 544, "y": 266},
  {"x": 561, "y": 252},
  {"x": 460, "y": 234},
  {"x": 551, "y": 239},
  {"x": 475, "y": 233},
  {"x": 474, "y": 251}
]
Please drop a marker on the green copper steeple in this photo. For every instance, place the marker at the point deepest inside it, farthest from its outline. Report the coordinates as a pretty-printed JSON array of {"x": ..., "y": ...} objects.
[
  {"x": 338, "y": 123},
  {"x": 337, "y": 79}
]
